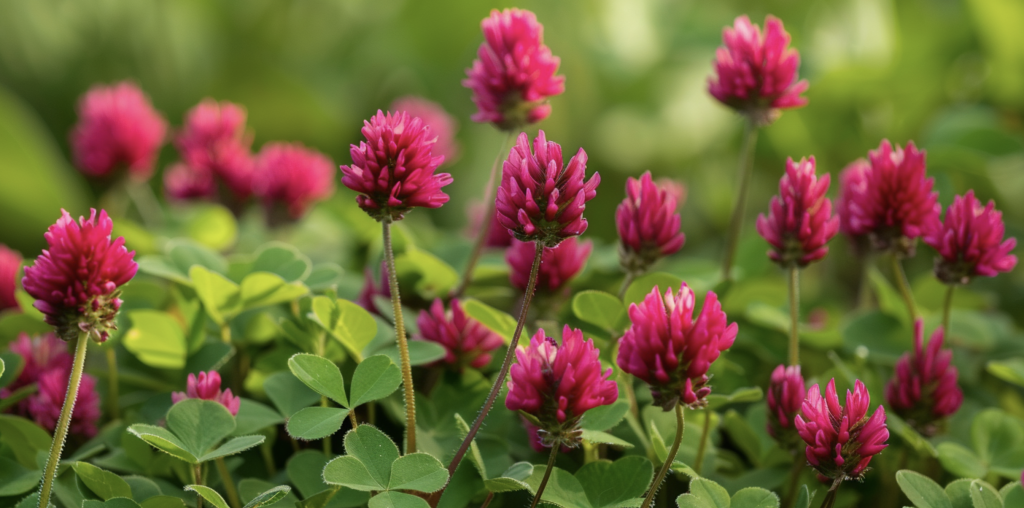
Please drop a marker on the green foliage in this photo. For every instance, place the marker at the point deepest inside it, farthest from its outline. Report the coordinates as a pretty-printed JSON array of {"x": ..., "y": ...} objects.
[
  {"x": 194, "y": 429},
  {"x": 997, "y": 440},
  {"x": 602, "y": 484},
  {"x": 347, "y": 322},
  {"x": 963, "y": 493}
]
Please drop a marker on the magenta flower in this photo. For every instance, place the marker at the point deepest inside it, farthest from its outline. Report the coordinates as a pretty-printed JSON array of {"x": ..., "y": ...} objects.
[
  {"x": 552, "y": 386},
  {"x": 40, "y": 354},
  {"x": 889, "y": 198},
  {"x": 497, "y": 236},
  {"x": 558, "y": 264},
  {"x": 393, "y": 170},
  {"x": 924, "y": 387},
  {"x": 46, "y": 404},
  {"x": 669, "y": 350},
  {"x": 183, "y": 182},
  {"x": 538, "y": 199},
  {"x": 853, "y": 181},
  {"x": 970, "y": 241},
  {"x": 292, "y": 177},
  {"x": 117, "y": 127},
  {"x": 372, "y": 289},
  {"x": 841, "y": 439},
  {"x": 757, "y": 74},
  {"x": 465, "y": 341},
  {"x": 648, "y": 223},
  {"x": 214, "y": 143},
  {"x": 442, "y": 125},
  {"x": 10, "y": 264},
  {"x": 800, "y": 222},
  {"x": 75, "y": 282},
  {"x": 785, "y": 395},
  {"x": 514, "y": 73},
  {"x": 207, "y": 387}
]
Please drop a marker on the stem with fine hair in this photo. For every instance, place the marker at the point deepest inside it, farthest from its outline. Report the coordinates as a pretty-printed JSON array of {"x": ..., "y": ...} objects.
[
  {"x": 403, "y": 344},
  {"x": 500, "y": 380},
  {"x": 112, "y": 382},
  {"x": 736, "y": 224},
  {"x": 947, "y": 307},
  {"x": 485, "y": 222},
  {"x": 547, "y": 474},
  {"x": 901, "y": 283},
  {"x": 229, "y": 485},
  {"x": 704, "y": 433},
  {"x": 794, "y": 315},
  {"x": 668, "y": 460},
  {"x": 64, "y": 421}
]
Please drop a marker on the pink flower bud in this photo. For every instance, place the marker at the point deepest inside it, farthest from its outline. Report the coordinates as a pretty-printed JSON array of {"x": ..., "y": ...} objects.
[
  {"x": 669, "y": 350},
  {"x": 924, "y": 387},
  {"x": 10, "y": 265},
  {"x": 514, "y": 73},
  {"x": 214, "y": 144},
  {"x": 841, "y": 439},
  {"x": 538, "y": 199},
  {"x": 970, "y": 241},
  {"x": 648, "y": 223},
  {"x": 207, "y": 387},
  {"x": 440, "y": 122},
  {"x": 552, "y": 386},
  {"x": 117, "y": 127},
  {"x": 800, "y": 221},
  {"x": 291, "y": 177},
  {"x": 45, "y": 404},
  {"x": 757, "y": 74},
  {"x": 393, "y": 170},
  {"x": 558, "y": 265},
  {"x": 466, "y": 341},
  {"x": 75, "y": 282},
  {"x": 785, "y": 395}
]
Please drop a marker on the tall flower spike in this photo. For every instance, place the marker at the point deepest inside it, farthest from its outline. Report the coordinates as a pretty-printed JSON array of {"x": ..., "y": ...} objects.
[
  {"x": 466, "y": 341},
  {"x": 669, "y": 350},
  {"x": 290, "y": 177},
  {"x": 841, "y": 440},
  {"x": 206, "y": 386},
  {"x": 648, "y": 223},
  {"x": 75, "y": 282},
  {"x": 10, "y": 264},
  {"x": 757, "y": 74},
  {"x": 557, "y": 267},
  {"x": 441, "y": 124},
  {"x": 970, "y": 241},
  {"x": 924, "y": 388},
  {"x": 117, "y": 127},
  {"x": 538, "y": 199},
  {"x": 514, "y": 73},
  {"x": 785, "y": 395},
  {"x": 889, "y": 198},
  {"x": 214, "y": 144},
  {"x": 393, "y": 170},
  {"x": 800, "y": 221},
  {"x": 552, "y": 386}
]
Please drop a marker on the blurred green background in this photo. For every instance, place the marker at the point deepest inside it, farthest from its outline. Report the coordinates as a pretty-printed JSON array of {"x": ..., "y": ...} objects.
[{"x": 948, "y": 74}]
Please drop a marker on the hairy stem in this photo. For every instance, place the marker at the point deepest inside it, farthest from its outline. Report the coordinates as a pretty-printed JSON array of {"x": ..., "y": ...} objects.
[
  {"x": 736, "y": 224},
  {"x": 64, "y": 421},
  {"x": 794, "y": 315},
  {"x": 900, "y": 277},
  {"x": 352, "y": 418},
  {"x": 487, "y": 500},
  {"x": 947, "y": 307},
  {"x": 229, "y": 485},
  {"x": 668, "y": 460},
  {"x": 403, "y": 344},
  {"x": 704, "y": 434},
  {"x": 485, "y": 222},
  {"x": 112, "y": 382},
  {"x": 547, "y": 474},
  {"x": 321, "y": 351}
]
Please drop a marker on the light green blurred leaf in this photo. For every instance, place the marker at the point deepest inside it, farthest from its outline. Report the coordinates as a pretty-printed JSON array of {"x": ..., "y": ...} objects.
[
  {"x": 495, "y": 320},
  {"x": 599, "y": 308},
  {"x": 156, "y": 339}
]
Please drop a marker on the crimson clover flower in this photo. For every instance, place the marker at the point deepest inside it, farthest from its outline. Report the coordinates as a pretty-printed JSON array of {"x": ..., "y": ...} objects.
[
  {"x": 800, "y": 221},
  {"x": 465, "y": 340},
  {"x": 117, "y": 127},
  {"x": 206, "y": 386},
  {"x": 648, "y": 223},
  {"x": 442, "y": 125},
  {"x": 558, "y": 264},
  {"x": 970, "y": 241},
  {"x": 215, "y": 149},
  {"x": 785, "y": 396},
  {"x": 291, "y": 177},
  {"x": 924, "y": 387},
  {"x": 10, "y": 264}
]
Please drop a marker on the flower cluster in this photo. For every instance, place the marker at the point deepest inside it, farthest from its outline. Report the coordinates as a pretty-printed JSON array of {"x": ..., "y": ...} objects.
[
  {"x": 648, "y": 223},
  {"x": 558, "y": 264},
  {"x": 539, "y": 199},
  {"x": 497, "y": 236},
  {"x": 117, "y": 128},
  {"x": 371, "y": 288},
  {"x": 841, "y": 440},
  {"x": 393, "y": 170},
  {"x": 290, "y": 177},
  {"x": 75, "y": 282},
  {"x": 970, "y": 241},
  {"x": 552, "y": 386},
  {"x": 785, "y": 395},
  {"x": 514, "y": 73},
  {"x": 206, "y": 386},
  {"x": 757, "y": 74},
  {"x": 669, "y": 350},
  {"x": 442, "y": 125},
  {"x": 800, "y": 222},
  {"x": 924, "y": 388},
  {"x": 10, "y": 265},
  {"x": 466, "y": 342},
  {"x": 215, "y": 154}
]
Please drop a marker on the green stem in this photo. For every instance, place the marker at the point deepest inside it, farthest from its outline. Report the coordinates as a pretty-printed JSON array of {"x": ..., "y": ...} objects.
[
  {"x": 626, "y": 281},
  {"x": 485, "y": 223},
  {"x": 321, "y": 351},
  {"x": 736, "y": 224},
  {"x": 500, "y": 380},
  {"x": 112, "y": 382},
  {"x": 547, "y": 474},
  {"x": 668, "y": 460},
  {"x": 901, "y": 283},
  {"x": 487, "y": 500},
  {"x": 141, "y": 195},
  {"x": 197, "y": 479},
  {"x": 833, "y": 493},
  {"x": 64, "y": 421},
  {"x": 268, "y": 459},
  {"x": 229, "y": 485},
  {"x": 403, "y": 344},
  {"x": 699, "y": 461},
  {"x": 794, "y": 315},
  {"x": 947, "y": 307},
  {"x": 794, "y": 480}
]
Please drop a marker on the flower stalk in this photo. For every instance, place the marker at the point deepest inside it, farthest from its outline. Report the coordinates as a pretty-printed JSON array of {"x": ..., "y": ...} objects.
[
  {"x": 703, "y": 446},
  {"x": 403, "y": 343},
  {"x": 794, "y": 315},
  {"x": 900, "y": 277},
  {"x": 229, "y": 485},
  {"x": 60, "y": 433},
  {"x": 668, "y": 460},
  {"x": 547, "y": 475},
  {"x": 947, "y": 307},
  {"x": 112, "y": 380},
  {"x": 736, "y": 223}
]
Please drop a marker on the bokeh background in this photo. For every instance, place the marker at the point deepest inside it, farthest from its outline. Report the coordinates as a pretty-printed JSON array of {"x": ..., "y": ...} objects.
[{"x": 948, "y": 74}]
